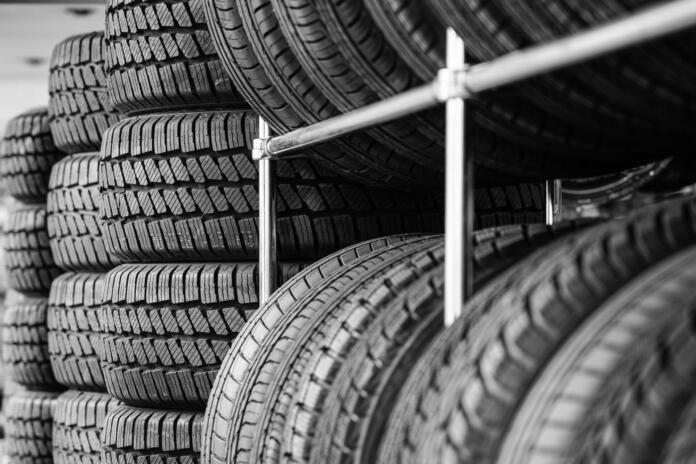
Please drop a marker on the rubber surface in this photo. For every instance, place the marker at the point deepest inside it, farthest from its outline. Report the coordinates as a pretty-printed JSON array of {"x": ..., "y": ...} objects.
[
  {"x": 184, "y": 187},
  {"x": 218, "y": 426},
  {"x": 28, "y": 427},
  {"x": 74, "y": 228},
  {"x": 78, "y": 422},
  {"x": 493, "y": 354},
  {"x": 620, "y": 356},
  {"x": 159, "y": 55},
  {"x": 25, "y": 344},
  {"x": 74, "y": 337},
  {"x": 78, "y": 106},
  {"x": 29, "y": 261},
  {"x": 151, "y": 436},
  {"x": 167, "y": 327},
  {"x": 27, "y": 153}
]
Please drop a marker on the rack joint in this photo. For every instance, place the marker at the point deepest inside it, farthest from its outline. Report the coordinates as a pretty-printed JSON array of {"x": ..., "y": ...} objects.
[{"x": 259, "y": 149}]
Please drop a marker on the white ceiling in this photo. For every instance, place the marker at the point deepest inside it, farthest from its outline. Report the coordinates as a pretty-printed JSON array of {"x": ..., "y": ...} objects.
[{"x": 28, "y": 33}]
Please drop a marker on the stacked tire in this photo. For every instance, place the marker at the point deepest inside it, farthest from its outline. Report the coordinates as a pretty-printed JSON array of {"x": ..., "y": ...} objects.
[
  {"x": 80, "y": 113},
  {"x": 27, "y": 153}
]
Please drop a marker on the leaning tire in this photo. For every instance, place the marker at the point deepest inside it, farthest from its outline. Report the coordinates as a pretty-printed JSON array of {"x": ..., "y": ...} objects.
[
  {"x": 159, "y": 56},
  {"x": 74, "y": 229},
  {"x": 28, "y": 427},
  {"x": 74, "y": 338},
  {"x": 27, "y": 153},
  {"x": 167, "y": 327},
  {"x": 79, "y": 108},
  {"x": 78, "y": 424},
  {"x": 30, "y": 265},
  {"x": 151, "y": 436}
]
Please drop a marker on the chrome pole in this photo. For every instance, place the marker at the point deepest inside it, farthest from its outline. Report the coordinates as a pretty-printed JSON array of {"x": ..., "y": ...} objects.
[
  {"x": 643, "y": 26},
  {"x": 267, "y": 221},
  {"x": 458, "y": 194},
  {"x": 553, "y": 197}
]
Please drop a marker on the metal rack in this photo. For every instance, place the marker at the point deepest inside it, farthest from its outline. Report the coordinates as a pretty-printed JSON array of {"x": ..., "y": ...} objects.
[{"x": 453, "y": 86}]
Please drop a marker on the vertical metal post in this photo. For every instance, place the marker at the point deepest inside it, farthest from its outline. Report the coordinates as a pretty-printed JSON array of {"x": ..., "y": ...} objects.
[
  {"x": 458, "y": 195},
  {"x": 553, "y": 200},
  {"x": 267, "y": 221}
]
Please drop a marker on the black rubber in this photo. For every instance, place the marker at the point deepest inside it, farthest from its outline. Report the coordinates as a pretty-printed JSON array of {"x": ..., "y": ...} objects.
[
  {"x": 613, "y": 390},
  {"x": 184, "y": 187},
  {"x": 167, "y": 327},
  {"x": 74, "y": 229},
  {"x": 218, "y": 427},
  {"x": 159, "y": 55},
  {"x": 623, "y": 97},
  {"x": 257, "y": 390},
  {"x": 681, "y": 447},
  {"x": 78, "y": 421},
  {"x": 28, "y": 427},
  {"x": 74, "y": 338},
  {"x": 27, "y": 153},
  {"x": 29, "y": 261},
  {"x": 151, "y": 436},
  {"x": 467, "y": 385},
  {"x": 78, "y": 106},
  {"x": 25, "y": 344},
  {"x": 281, "y": 91}
]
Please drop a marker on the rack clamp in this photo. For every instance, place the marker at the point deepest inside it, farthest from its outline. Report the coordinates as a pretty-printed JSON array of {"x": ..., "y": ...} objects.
[{"x": 258, "y": 149}]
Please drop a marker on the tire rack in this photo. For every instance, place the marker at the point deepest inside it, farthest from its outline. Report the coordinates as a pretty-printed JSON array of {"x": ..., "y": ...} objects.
[{"x": 452, "y": 86}]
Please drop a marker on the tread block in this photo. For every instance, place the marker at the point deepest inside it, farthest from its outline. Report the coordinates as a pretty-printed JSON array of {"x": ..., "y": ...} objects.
[
  {"x": 79, "y": 107},
  {"x": 28, "y": 427},
  {"x": 27, "y": 153},
  {"x": 74, "y": 337},
  {"x": 29, "y": 261},
  {"x": 167, "y": 327},
  {"x": 74, "y": 228}
]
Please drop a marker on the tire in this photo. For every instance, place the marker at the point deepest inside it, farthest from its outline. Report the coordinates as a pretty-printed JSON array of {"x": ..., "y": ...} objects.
[
  {"x": 29, "y": 262},
  {"x": 364, "y": 352},
  {"x": 28, "y": 424},
  {"x": 25, "y": 344},
  {"x": 624, "y": 86},
  {"x": 169, "y": 197},
  {"x": 151, "y": 436},
  {"x": 286, "y": 97},
  {"x": 79, "y": 108},
  {"x": 529, "y": 311},
  {"x": 166, "y": 328},
  {"x": 78, "y": 422},
  {"x": 74, "y": 337},
  {"x": 27, "y": 153},
  {"x": 159, "y": 56},
  {"x": 681, "y": 447},
  {"x": 638, "y": 345},
  {"x": 74, "y": 229}
]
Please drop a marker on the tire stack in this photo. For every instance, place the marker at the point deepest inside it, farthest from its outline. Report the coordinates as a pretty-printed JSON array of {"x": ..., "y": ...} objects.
[
  {"x": 27, "y": 153},
  {"x": 179, "y": 204},
  {"x": 80, "y": 113}
]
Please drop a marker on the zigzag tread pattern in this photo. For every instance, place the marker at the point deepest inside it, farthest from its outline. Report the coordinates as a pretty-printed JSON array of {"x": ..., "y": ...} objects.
[
  {"x": 77, "y": 426},
  {"x": 74, "y": 337},
  {"x": 74, "y": 227},
  {"x": 28, "y": 427},
  {"x": 79, "y": 107},
  {"x": 184, "y": 186},
  {"x": 159, "y": 54},
  {"x": 167, "y": 327},
  {"x": 173, "y": 437},
  {"x": 29, "y": 262},
  {"x": 27, "y": 153},
  {"x": 25, "y": 344}
]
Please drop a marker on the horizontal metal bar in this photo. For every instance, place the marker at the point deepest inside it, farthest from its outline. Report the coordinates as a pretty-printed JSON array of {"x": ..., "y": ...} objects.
[
  {"x": 640, "y": 27},
  {"x": 513, "y": 67},
  {"x": 403, "y": 104}
]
